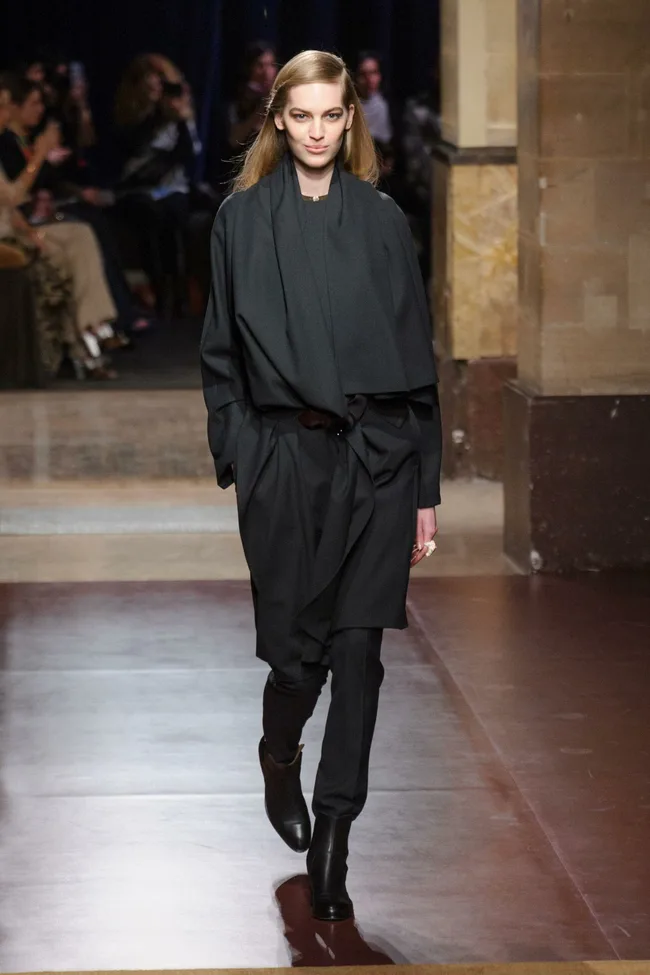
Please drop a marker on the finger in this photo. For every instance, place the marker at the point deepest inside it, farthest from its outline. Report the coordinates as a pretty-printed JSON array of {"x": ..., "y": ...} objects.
[
  {"x": 417, "y": 557},
  {"x": 420, "y": 535}
]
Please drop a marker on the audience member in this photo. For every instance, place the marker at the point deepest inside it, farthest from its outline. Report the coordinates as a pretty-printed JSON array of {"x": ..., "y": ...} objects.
[
  {"x": 156, "y": 126},
  {"x": 55, "y": 196},
  {"x": 420, "y": 132},
  {"x": 246, "y": 112},
  {"x": 375, "y": 106},
  {"x": 72, "y": 303}
]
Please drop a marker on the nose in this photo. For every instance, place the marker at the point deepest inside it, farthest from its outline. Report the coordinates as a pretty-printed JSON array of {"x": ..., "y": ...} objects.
[{"x": 316, "y": 132}]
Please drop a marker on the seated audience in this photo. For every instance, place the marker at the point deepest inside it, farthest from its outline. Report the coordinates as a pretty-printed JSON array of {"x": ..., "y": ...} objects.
[
  {"x": 72, "y": 301},
  {"x": 56, "y": 195}
]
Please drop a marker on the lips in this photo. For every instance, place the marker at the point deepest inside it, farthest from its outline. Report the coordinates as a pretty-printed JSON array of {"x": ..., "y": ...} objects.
[{"x": 316, "y": 149}]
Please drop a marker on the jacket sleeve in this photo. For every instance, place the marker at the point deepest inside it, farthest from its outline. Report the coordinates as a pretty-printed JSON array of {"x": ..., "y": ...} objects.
[
  {"x": 221, "y": 362},
  {"x": 425, "y": 404}
]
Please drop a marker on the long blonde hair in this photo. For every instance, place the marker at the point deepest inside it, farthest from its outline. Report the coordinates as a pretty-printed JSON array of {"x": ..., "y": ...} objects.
[
  {"x": 307, "y": 68},
  {"x": 131, "y": 100}
]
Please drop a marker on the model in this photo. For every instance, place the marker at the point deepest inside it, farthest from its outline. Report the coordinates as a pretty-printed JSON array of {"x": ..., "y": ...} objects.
[{"x": 320, "y": 384}]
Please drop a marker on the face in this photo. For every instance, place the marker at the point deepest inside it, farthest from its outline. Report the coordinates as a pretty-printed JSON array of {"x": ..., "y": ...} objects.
[
  {"x": 5, "y": 109},
  {"x": 315, "y": 121},
  {"x": 36, "y": 73},
  {"x": 264, "y": 71},
  {"x": 153, "y": 86},
  {"x": 369, "y": 77},
  {"x": 30, "y": 113}
]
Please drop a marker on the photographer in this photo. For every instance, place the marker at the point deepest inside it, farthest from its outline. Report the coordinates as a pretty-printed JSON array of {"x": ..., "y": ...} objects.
[{"x": 161, "y": 143}]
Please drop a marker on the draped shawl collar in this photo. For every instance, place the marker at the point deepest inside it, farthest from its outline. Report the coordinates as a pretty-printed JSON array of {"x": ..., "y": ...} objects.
[{"x": 376, "y": 300}]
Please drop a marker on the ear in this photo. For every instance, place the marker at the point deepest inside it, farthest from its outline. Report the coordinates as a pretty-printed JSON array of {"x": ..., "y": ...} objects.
[
  {"x": 279, "y": 121},
  {"x": 350, "y": 119}
]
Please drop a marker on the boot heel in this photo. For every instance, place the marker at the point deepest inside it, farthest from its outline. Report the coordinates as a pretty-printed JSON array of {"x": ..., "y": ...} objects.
[{"x": 327, "y": 866}]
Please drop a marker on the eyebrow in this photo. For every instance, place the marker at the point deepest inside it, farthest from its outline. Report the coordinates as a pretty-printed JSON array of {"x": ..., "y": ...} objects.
[{"x": 294, "y": 108}]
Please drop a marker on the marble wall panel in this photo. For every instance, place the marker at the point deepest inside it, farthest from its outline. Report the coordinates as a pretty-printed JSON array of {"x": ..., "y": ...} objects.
[{"x": 482, "y": 268}]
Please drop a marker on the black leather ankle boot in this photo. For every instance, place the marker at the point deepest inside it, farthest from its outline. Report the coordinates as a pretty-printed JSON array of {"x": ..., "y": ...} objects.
[
  {"x": 283, "y": 800},
  {"x": 327, "y": 866}
]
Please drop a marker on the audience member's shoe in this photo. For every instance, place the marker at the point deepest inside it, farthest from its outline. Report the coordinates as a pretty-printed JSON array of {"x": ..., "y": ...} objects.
[
  {"x": 327, "y": 866},
  {"x": 283, "y": 799}
]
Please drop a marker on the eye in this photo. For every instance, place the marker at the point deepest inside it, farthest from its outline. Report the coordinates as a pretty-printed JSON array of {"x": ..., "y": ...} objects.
[
  {"x": 299, "y": 116},
  {"x": 334, "y": 116}
]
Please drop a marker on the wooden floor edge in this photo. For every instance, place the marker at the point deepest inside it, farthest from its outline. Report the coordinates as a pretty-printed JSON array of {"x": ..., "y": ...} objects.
[{"x": 492, "y": 968}]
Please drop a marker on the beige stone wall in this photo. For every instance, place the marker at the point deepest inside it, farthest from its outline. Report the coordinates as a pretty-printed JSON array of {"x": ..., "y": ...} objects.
[
  {"x": 478, "y": 61},
  {"x": 475, "y": 291},
  {"x": 584, "y": 161}
]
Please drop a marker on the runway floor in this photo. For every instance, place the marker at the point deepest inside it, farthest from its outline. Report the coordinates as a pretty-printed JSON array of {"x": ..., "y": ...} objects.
[{"x": 509, "y": 817}]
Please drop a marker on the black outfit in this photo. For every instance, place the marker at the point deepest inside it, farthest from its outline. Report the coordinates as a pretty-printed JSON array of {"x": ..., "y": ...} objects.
[
  {"x": 320, "y": 385},
  {"x": 159, "y": 153},
  {"x": 13, "y": 162}
]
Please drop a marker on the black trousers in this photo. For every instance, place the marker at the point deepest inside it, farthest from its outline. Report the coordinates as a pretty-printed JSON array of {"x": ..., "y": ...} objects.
[
  {"x": 161, "y": 225},
  {"x": 341, "y": 785}
]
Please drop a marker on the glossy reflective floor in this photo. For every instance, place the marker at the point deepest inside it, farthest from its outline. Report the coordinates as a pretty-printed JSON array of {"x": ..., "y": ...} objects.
[{"x": 509, "y": 818}]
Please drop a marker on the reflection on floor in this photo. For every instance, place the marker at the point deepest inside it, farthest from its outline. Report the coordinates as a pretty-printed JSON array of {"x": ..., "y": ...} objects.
[
  {"x": 510, "y": 807},
  {"x": 180, "y": 529}
]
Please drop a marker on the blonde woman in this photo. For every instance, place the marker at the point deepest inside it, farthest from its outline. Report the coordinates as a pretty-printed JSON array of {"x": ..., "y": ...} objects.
[{"x": 320, "y": 385}]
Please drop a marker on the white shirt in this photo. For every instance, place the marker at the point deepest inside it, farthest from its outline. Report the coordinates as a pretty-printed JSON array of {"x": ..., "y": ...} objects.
[{"x": 375, "y": 110}]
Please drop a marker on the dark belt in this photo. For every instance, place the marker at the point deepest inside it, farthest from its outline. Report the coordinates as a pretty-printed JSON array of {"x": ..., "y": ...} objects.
[{"x": 316, "y": 419}]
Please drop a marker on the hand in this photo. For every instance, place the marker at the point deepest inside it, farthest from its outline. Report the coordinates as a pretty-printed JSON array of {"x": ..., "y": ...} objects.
[
  {"x": 58, "y": 155},
  {"x": 182, "y": 107},
  {"x": 427, "y": 527},
  {"x": 91, "y": 195},
  {"x": 48, "y": 140}
]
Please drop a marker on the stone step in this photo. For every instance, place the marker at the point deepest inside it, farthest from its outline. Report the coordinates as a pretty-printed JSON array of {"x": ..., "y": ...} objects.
[{"x": 103, "y": 433}]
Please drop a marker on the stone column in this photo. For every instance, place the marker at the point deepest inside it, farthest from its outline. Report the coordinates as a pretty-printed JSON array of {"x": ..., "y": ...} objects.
[
  {"x": 475, "y": 229},
  {"x": 577, "y": 419}
]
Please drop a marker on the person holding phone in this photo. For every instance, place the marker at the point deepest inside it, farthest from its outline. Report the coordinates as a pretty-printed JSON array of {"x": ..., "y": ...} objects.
[{"x": 157, "y": 129}]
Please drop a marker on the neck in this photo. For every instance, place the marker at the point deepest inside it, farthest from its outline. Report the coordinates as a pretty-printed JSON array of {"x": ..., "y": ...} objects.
[{"x": 314, "y": 182}]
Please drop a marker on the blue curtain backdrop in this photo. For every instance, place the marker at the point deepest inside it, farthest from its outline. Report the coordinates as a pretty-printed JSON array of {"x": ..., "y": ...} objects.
[{"x": 207, "y": 37}]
